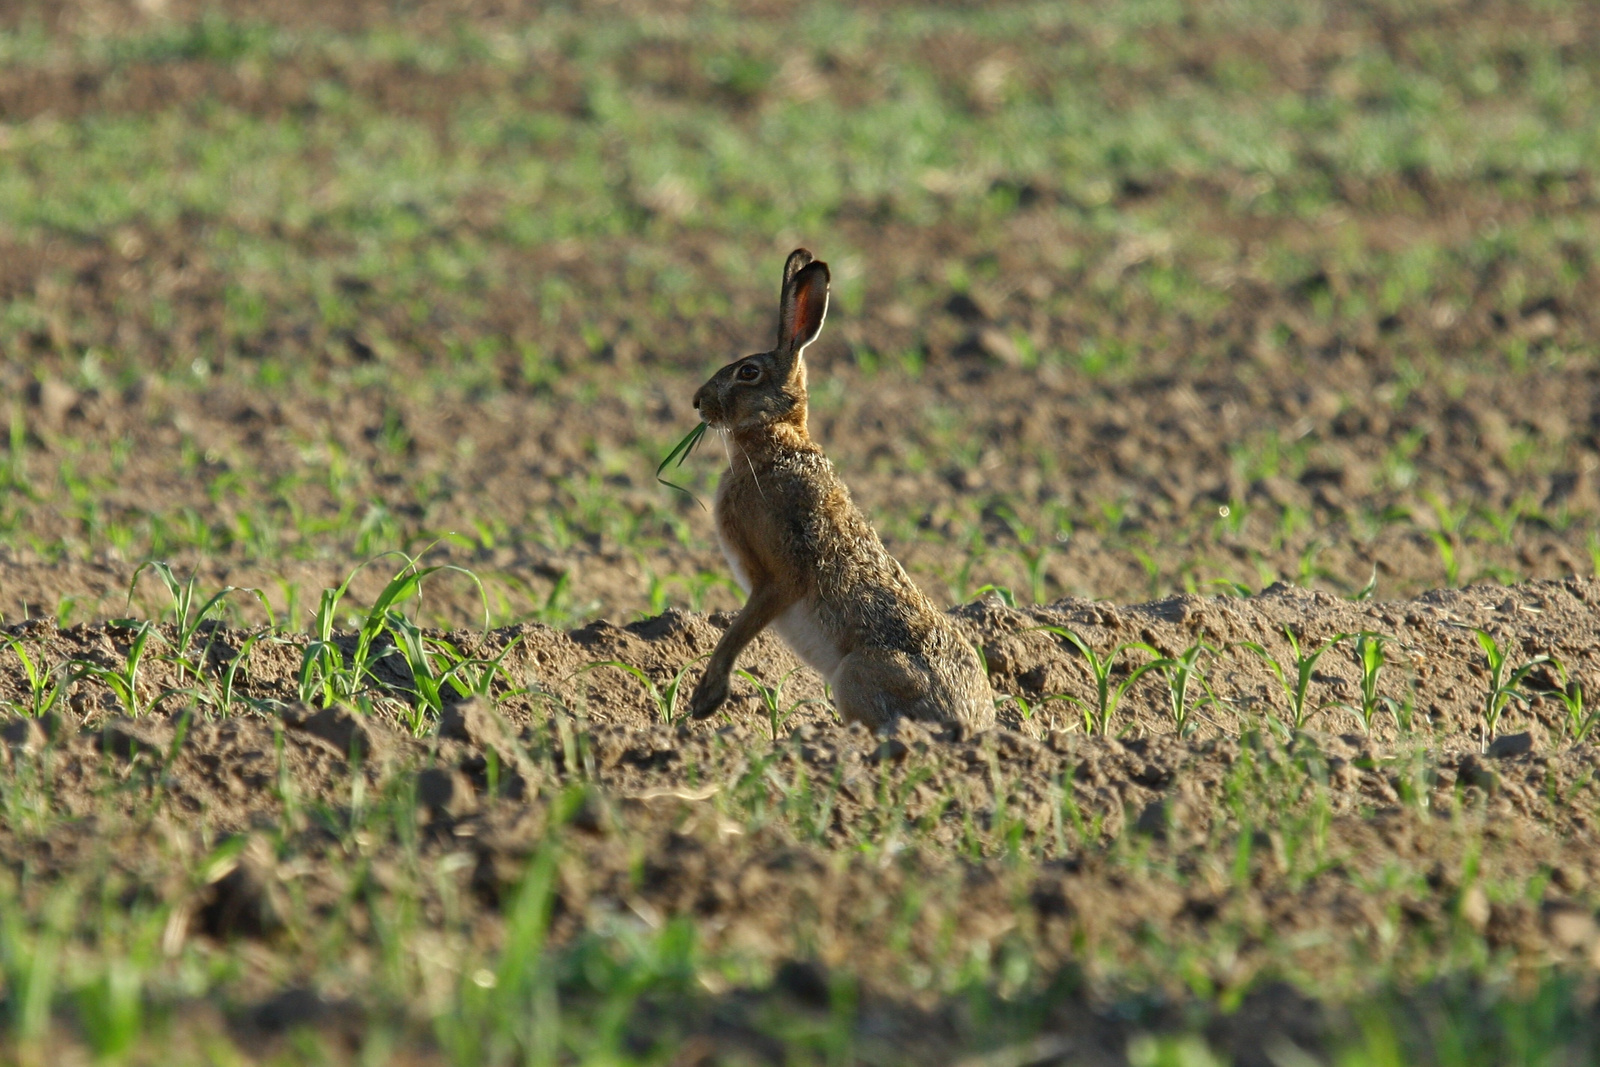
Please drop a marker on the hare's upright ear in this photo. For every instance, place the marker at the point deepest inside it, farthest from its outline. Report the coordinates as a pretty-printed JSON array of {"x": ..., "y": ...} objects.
[
  {"x": 797, "y": 259},
  {"x": 804, "y": 303}
]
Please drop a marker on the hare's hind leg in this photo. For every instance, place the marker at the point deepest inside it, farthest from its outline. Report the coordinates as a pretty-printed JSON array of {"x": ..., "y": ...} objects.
[{"x": 873, "y": 686}]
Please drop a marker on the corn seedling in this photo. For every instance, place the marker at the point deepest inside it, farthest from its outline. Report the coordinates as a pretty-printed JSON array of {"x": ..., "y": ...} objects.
[
  {"x": 558, "y": 608},
  {"x": 1297, "y": 689},
  {"x": 1580, "y": 720},
  {"x": 220, "y": 694},
  {"x": 1308, "y": 570},
  {"x": 1034, "y": 551},
  {"x": 1027, "y": 708},
  {"x": 1404, "y": 710},
  {"x": 327, "y": 675},
  {"x": 1504, "y": 683},
  {"x": 1366, "y": 592},
  {"x": 1097, "y": 716},
  {"x": 1151, "y": 568},
  {"x": 44, "y": 690},
  {"x": 31, "y": 961},
  {"x": 772, "y": 701},
  {"x": 1178, "y": 671},
  {"x": 974, "y": 553},
  {"x": 14, "y": 469},
  {"x": 188, "y": 613},
  {"x": 1370, "y": 658},
  {"x": 1447, "y": 537},
  {"x": 427, "y": 683},
  {"x": 1036, "y": 561},
  {"x": 462, "y": 675},
  {"x": 665, "y": 700},
  {"x": 1232, "y": 588},
  {"x": 1001, "y": 593},
  {"x": 123, "y": 681},
  {"x": 474, "y": 676}
]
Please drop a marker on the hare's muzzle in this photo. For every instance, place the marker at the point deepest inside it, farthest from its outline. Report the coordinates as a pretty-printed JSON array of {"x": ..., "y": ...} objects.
[{"x": 705, "y": 403}]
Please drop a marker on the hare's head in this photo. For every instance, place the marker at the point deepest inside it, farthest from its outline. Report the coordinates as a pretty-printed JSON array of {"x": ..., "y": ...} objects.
[{"x": 761, "y": 391}]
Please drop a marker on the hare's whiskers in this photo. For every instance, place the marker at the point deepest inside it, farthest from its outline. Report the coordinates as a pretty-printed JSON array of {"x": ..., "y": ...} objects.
[
  {"x": 747, "y": 463},
  {"x": 752, "y": 467}
]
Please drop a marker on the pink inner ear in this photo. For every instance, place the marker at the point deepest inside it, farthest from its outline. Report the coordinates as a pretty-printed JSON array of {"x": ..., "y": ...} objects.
[
  {"x": 807, "y": 321},
  {"x": 802, "y": 310}
]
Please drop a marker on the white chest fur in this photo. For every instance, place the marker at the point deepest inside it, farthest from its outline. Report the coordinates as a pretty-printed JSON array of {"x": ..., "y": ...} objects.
[
  {"x": 798, "y": 625},
  {"x": 801, "y": 629},
  {"x": 735, "y": 564}
]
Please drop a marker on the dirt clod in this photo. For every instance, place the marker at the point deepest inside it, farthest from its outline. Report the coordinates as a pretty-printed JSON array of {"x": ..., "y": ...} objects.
[{"x": 1508, "y": 745}]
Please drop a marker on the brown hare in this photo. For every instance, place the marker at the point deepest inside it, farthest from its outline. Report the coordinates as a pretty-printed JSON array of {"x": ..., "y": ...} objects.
[{"x": 810, "y": 563}]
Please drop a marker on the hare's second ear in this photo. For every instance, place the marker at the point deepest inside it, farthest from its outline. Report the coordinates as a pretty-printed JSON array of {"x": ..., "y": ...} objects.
[{"x": 805, "y": 302}]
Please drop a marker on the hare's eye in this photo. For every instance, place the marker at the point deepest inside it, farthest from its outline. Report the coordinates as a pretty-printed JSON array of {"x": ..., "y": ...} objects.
[{"x": 748, "y": 373}]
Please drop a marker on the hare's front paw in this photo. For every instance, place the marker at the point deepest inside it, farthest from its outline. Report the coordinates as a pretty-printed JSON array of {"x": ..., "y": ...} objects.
[{"x": 708, "y": 696}]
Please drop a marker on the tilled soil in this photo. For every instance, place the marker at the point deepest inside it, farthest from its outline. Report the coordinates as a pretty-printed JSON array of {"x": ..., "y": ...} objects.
[
  {"x": 1280, "y": 427},
  {"x": 820, "y": 850},
  {"x": 1094, "y": 389}
]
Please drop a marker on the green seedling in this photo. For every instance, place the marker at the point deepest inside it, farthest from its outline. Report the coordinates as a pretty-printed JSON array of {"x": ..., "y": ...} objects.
[
  {"x": 1097, "y": 716},
  {"x": 1447, "y": 537},
  {"x": 31, "y": 960},
  {"x": 1036, "y": 560},
  {"x": 123, "y": 681},
  {"x": 474, "y": 676},
  {"x": 1034, "y": 551},
  {"x": 188, "y": 614},
  {"x": 431, "y": 688},
  {"x": 1002, "y": 594},
  {"x": 665, "y": 700},
  {"x": 558, "y": 609},
  {"x": 1580, "y": 720},
  {"x": 427, "y": 683},
  {"x": 772, "y": 701},
  {"x": 1447, "y": 556},
  {"x": 221, "y": 694},
  {"x": 1367, "y": 591},
  {"x": 1308, "y": 571},
  {"x": 1297, "y": 690},
  {"x": 1229, "y": 586},
  {"x": 44, "y": 690},
  {"x": 1151, "y": 568},
  {"x": 675, "y": 458},
  {"x": 1178, "y": 672},
  {"x": 14, "y": 469},
  {"x": 188, "y": 617},
  {"x": 327, "y": 675},
  {"x": 1028, "y": 708},
  {"x": 972, "y": 554},
  {"x": 1504, "y": 683},
  {"x": 1370, "y": 658}
]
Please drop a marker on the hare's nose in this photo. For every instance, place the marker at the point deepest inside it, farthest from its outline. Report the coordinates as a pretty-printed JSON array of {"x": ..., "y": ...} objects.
[{"x": 698, "y": 394}]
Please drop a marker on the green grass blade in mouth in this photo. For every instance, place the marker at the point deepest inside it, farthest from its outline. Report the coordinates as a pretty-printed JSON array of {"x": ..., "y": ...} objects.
[{"x": 675, "y": 458}]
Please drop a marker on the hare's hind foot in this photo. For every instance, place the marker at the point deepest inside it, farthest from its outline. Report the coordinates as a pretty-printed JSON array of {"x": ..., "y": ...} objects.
[{"x": 875, "y": 686}]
